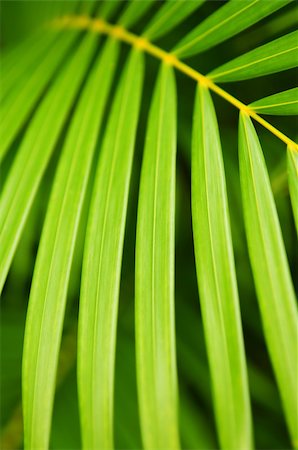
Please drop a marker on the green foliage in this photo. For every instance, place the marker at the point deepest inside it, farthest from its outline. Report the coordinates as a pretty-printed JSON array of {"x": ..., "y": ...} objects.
[
  {"x": 154, "y": 297},
  {"x": 102, "y": 260},
  {"x": 49, "y": 287},
  {"x": 275, "y": 56},
  {"x": 100, "y": 176},
  {"x": 217, "y": 279},
  {"x": 283, "y": 103},
  {"x": 168, "y": 16},
  {"x": 224, "y": 23},
  {"x": 293, "y": 185},
  {"x": 270, "y": 268}
]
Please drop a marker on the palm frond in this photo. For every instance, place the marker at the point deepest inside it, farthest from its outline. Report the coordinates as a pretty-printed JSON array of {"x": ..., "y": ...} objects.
[
  {"x": 277, "y": 55},
  {"x": 21, "y": 186},
  {"x": 108, "y": 9},
  {"x": 66, "y": 88},
  {"x": 154, "y": 297},
  {"x": 230, "y": 19},
  {"x": 134, "y": 11},
  {"x": 26, "y": 53},
  {"x": 52, "y": 268},
  {"x": 102, "y": 261},
  {"x": 217, "y": 280},
  {"x": 282, "y": 104},
  {"x": 270, "y": 269},
  {"x": 293, "y": 182},
  {"x": 169, "y": 16},
  {"x": 23, "y": 95}
]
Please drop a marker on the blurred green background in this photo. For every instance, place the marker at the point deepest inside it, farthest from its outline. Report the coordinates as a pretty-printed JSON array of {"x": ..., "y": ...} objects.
[{"x": 19, "y": 19}]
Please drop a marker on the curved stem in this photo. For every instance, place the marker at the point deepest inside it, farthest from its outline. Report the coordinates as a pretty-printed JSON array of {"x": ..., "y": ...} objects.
[{"x": 118, "y": 32}]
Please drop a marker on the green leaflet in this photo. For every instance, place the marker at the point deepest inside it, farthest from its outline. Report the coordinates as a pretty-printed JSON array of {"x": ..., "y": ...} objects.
[
  {"x": 102, "y": 262},
  {"x": 108, "y": 9},
  {"x": 168, "y": 16},
  {"x": 270, "y": 269},
  {"x": 134, "y": 11},
  {"x": 52, "y": 269},
  {"x": 227, "y": 21},
  {"x": 293, "y": 181},
  {"x": 217, "y": 280},
  {"x": 21, "y": 185},
  {"x": 17, "y": 62},
  {"x": 154, "y": 278},
  {"x": 24, "y": 94},
  {"x": 277, "y": 55},
  {"x": 284, "y": 103}
]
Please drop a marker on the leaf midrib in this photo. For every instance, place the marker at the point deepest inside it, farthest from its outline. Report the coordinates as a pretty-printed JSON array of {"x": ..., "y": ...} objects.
[
  {"x": 215, "y": 27},
  {"x": 100, "y": 26},
  {"x": 256, "y": 61}
]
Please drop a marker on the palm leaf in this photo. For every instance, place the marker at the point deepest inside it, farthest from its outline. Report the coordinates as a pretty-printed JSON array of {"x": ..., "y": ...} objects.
[
  {"x": 21, "y": 186},
  {"x": 134, "y": 11},
  {"x": 154, "y": 297},
  {"x": 21, "y": 99},
  {"x": 27, "y": 54},
  {"x": 284, "y": 103},
  {"x": 108, "y": 9},
  {"x": 270, "y": 269},
  {"x": 169, "y": 16},
  {"x": 217, "y": 280},
  {"x": 277, "y": 55},
  {"x": 102, "y": 262},
  {"x": 57, "y": 84},
  {"x": 52, "y": 269},
  {"x": 293, "y": 181},
  {"x": 227, "y": 21}
]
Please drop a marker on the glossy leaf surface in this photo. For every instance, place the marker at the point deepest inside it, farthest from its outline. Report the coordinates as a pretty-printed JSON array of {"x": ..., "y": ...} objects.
[
  {"x": 227, "y": 21},
  {"x": 154, "y": 297},
  {"x": 270, "y": 269},
  {"x": 53, "y": 264},
  {"x": 217, "y": 280},
  {"x": 275, "y": 56},
  {"x": 282, "y": 104},
  {"x": 102, "y": 261},
  {"x": 293, "y": 181},
  {"x": 21, "y": 185},
  {"x": 170, "y": 15}
]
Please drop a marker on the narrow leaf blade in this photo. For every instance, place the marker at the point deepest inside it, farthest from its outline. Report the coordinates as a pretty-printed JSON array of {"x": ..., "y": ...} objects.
[
  {"x": 155, "y": 327},
  {"x": 15, "y": 65},
  {"x": 134, "y": 11},
  {"x": 21, "y": 100},
  {"x": 270, "y": 269},
  {"x": 21, "y": 185},
  {"x": 102, "y": 261},
  {"x": 277, "y": 55},
  {"x": 217, "y": 280},
  {"x": 47, "y": 301},
  {"x": 282, "y": 104},
  {"x": 228, "y": 20},
  {"x": 169, "y": 16},
  {"x": 293, "y": 181}
]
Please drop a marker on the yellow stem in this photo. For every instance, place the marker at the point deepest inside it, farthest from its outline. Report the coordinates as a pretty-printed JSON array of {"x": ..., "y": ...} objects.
[{"x": 118, "y": 32}]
